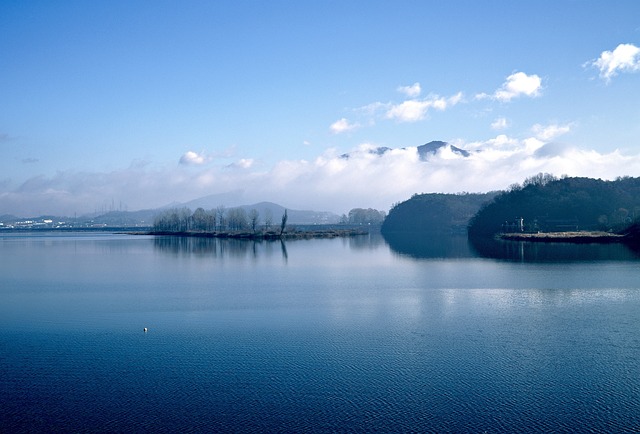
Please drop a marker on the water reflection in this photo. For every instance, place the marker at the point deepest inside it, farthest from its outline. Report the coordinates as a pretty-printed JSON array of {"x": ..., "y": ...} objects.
[
  {"x": 438, "y": 246},
  {"x": 430, "y": 245},
  {"x": 552, "y": 252},
  {"x": 238, "y": 248},
  {"x": 217, "y": 247}
]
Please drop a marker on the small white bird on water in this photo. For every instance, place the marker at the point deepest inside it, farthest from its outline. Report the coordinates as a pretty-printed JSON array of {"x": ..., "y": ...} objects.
[{"x": 145, "y": 329}]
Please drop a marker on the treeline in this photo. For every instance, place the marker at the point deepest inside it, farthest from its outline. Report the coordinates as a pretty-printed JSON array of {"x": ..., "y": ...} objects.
[
  {"x": 222, "y": 219},
  {"x": 546, "y": 203},
  {"x": 218, "y": 219},
  {"x": 361, "y": 216},
  {"x": 435, "y": 213}
]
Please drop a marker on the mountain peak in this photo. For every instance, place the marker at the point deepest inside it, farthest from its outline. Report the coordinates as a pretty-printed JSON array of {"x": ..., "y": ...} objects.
[{"x": 432, "y": 147}]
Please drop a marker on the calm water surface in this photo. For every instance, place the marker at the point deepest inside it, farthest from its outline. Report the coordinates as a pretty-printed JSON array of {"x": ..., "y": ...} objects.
[{"x": 342, "y": 335}]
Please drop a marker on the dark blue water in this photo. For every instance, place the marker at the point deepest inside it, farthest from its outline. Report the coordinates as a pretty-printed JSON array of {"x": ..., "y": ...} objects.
[{"x": 343, "y": 335}]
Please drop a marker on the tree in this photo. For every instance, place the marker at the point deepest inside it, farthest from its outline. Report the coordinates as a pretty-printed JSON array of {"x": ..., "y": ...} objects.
[
  {"x": 253, "y": 219},
  {"x": 268, "y": 218},
  {"x": 237, "y": 219},
  {"x": 199, "y": 220},
  {"x": 283, "y": 223},
  {"x": 361, "y": 216},
  {"x": 220, "y": 212},
  {"x": 211, "y": 220},
  {"x": 541, "y": 179}
]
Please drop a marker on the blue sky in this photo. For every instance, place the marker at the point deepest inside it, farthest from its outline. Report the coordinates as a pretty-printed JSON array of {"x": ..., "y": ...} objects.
[{"x": 148, "y": 103}]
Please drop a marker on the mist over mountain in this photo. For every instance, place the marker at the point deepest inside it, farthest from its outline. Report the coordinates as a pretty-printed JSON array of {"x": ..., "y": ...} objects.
[
  {"x": 228, "y": 199},
  {"x": 424, "y": 151},
  {"x": 433, "y": 147}
]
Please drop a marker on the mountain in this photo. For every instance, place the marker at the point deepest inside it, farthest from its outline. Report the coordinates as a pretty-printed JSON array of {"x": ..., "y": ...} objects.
[
  {"x": 424, "y": 151},
  {"x": 432, "y": 147},
  {"x": 229, "y": 199},
  {"x": 375, "y": 151},
  {"x": 145, "y": 218},
  {"x": 125, "y": 218},
  {"x": 300, "y": 217}
]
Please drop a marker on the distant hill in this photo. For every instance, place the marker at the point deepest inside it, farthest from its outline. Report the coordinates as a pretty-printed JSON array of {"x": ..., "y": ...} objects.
[
  {"x": 435, "y": 213},
  {"x": 229, "y": 199},
  {"x": 234, "y": 200},
  {"x": 548, "y": 204},
  {"x": 124, "y": 218},
  {"x": 146, "y": 217},
  {"x": 207, "y": 203}
]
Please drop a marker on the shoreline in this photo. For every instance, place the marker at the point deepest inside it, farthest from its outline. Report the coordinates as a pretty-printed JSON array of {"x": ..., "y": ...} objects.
[
  {"x": 579, "y": 237},
  {"x": 262, "y": 236}
]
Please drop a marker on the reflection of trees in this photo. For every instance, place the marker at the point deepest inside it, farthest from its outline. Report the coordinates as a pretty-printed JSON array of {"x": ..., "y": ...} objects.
[
  {"x": 204, "y": 246},
  {"x": 550, "y": 252},
  {"x": 371, "y": 241},
  {"x": 217, "y": 247},
  {"x": 429, "y": 245},
  {"x": 234, "y": 247}
]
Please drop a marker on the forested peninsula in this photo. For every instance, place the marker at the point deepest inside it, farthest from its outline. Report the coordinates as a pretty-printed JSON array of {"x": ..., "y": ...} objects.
[
  {"x": 543, "y": 209},
  {"x": 439, "y": 213}
]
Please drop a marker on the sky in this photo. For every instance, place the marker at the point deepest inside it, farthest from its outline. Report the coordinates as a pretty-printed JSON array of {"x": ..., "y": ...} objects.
[{"x": 138, "y": 104}]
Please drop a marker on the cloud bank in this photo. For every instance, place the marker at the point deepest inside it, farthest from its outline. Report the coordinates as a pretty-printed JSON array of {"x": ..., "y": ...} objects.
[{"x": 328, "y": 182}]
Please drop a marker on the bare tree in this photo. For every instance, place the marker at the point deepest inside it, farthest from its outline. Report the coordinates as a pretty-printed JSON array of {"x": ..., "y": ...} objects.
[
  {"x": 268, "y": 218},
  {"x": 283, "y": 223},
  {"x": 237, "y": 219},
  {"x": 199, "y": 219},
  {"x": 253, "y": 219},
  {"x": 220, "y": 212},
  {"x": 211, "y": 220}
]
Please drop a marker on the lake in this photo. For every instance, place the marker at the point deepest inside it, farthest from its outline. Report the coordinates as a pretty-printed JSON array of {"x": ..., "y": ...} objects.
[{"x": 330, "y": 335}]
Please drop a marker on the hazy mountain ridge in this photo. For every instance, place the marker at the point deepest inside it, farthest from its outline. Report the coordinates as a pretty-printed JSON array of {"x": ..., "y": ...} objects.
[{"x": 143, "y": 218}]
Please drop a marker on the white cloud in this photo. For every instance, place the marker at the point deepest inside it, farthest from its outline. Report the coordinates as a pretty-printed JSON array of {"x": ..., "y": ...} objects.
[
  {"x": 342, "y": 126},
  {"x": 517, "y": 84},
  {"x": 328, "y": 182},
  {"x": 243, "y": 163},
  {"x": 193, "y": 158},
  {"x": 500, "y": 124},
  {"x": 550, "y": 132},
  {"x": 416, "y": 110},
  {"x": 411, "y": 91},
  {"x": 624, "y": 58}
]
